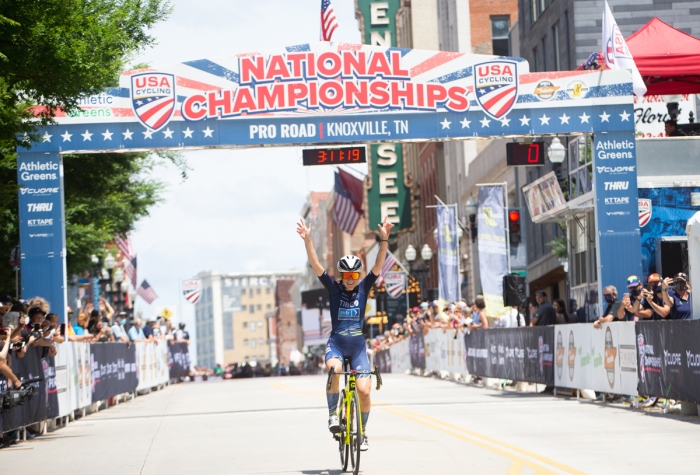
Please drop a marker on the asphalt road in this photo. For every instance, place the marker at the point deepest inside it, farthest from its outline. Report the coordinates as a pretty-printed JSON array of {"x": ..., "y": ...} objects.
[{"x": 418, "y": 426}]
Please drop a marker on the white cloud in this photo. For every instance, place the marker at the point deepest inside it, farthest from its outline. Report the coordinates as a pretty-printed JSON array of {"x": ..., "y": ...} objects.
[{"x": 237, "y": 210}]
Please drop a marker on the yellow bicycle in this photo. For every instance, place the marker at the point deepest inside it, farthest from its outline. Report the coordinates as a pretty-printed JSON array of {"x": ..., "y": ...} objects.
[{"x": 350, "y": 416}]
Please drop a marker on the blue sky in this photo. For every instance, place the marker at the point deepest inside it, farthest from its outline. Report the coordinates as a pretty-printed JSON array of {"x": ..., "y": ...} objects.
[{"x": 236, "y": 211}]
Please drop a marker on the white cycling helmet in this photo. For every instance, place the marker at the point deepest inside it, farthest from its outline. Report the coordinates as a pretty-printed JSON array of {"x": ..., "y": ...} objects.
[{"x": 349, "y": 264}]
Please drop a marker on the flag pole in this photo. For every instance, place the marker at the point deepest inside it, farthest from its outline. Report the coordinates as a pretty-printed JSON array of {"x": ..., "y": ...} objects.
[{"x": 179, "y": 300}]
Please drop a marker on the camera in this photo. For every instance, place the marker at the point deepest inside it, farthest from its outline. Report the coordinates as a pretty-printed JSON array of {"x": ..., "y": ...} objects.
[{"x": 18, "y": 397}]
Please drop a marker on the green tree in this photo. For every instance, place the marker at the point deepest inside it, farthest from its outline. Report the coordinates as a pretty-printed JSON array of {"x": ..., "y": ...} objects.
[{"x": 52, "y": 53}]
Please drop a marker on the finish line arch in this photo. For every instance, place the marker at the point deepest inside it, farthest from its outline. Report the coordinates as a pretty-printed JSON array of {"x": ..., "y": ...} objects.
[{"x": 336, "y": 93}]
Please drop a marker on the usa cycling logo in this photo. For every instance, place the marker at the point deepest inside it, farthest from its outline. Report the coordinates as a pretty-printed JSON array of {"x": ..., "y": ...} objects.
[
  {"x": 153, "y": 98},
  {"x": 496, "y": 86}
]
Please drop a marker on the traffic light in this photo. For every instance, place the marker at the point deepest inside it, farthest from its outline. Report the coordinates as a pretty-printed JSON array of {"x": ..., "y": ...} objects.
[{"x": 514, "y": 226}]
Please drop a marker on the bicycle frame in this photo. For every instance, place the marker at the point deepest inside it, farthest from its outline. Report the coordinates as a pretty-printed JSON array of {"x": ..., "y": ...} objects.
[{"x": 350, "y": 388}]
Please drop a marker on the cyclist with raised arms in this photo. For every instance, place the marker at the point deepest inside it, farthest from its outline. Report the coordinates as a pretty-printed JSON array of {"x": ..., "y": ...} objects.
[{"x": 348, "y": 298}]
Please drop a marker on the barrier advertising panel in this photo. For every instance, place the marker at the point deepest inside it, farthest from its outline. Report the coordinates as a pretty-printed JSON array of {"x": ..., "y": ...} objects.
[
  {"x": 178, "y": 360},
  {"x": 151, "y": 364},
  {"x": 669, "y": 359},
  {"x": 113, "y": 369},
  {"x": 400, "y": 357},
  {"x": 599, "y": 359},
  {"x": 79, "y": 375},
  {"x": 520, "y": 354}
]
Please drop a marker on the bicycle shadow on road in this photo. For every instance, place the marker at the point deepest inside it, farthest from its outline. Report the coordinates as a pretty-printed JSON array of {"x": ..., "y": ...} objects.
[{"x": 323, "y": 472}]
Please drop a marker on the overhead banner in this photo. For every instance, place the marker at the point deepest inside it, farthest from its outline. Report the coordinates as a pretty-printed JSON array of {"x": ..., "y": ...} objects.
[
  {"x": 603, "y": 359},
  {"x": 448, "y": 254},
  {"x": 113, "y": 369},
  {"x": 493, "y": 256},
  {"x": 650, "y": 113},
  {"x": 519, "y": 354},
  {"x": 668, "y": 356}
]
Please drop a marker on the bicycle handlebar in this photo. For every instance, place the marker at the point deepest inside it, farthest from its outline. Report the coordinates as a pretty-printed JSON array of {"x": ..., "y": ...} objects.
[{"x": 332, "y": 373}]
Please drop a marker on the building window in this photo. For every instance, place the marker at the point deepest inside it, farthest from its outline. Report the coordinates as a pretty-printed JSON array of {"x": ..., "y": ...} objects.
[
  {"x": 257, "y": 291},
  {"x": 499, "y": 35},
  {"x": 259, "y": 307},
  {"x": 534, "y": 60},
  {"x": 252, "y": 326},
  {"x": 250, "y": 292},
  {"x": 580, "y": 166},
  {"x": 261, "y": 324},
  {"x": 555, "y": 44},
  {"x": 245, "y": 324},
  {"x": 246, "y": 359},
  {"x": 568, "y": 45},
  {"x": 267, "y": 290},
  {"x": 269, "y": 306},
  {"x": 544, "y": 53},
  {"x": 252, "y": 308},
  {"x": 245, "y": 341},
  {"x": 261, "y": 341},
  {"x": 253, "y": 343},
  {"x": 244, "y": 308},
  {"x": 533, "y": 11}
]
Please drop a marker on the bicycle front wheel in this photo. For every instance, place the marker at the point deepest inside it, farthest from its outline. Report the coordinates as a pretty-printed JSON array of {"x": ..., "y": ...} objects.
[
  {"x": 354, "y": 420},
  {"x": 343, "y": 448}
]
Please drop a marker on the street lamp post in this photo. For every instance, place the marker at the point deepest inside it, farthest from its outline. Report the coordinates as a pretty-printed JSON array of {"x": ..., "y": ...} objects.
[{"x": 421, "y": 271}]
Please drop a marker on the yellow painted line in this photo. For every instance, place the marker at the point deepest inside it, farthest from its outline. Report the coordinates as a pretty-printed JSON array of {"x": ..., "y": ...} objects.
[
  {"x": 508, "y": 455},
  {"x": 516, "y": 468},
  {"x": 481, "y": 437},
  {"x": 514, "y": 448}
]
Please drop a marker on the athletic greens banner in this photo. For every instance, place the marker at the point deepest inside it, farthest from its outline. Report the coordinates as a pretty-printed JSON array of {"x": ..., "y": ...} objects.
[
  {"x": 493, "y": 259},
  {"x": 448, "y": 254}
]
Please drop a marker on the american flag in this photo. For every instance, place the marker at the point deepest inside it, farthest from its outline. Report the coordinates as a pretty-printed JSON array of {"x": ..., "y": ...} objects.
[
  {"x": 147, "y": 292},
  {"x": 347, "y": 206},
  {"x": 130, "y": 270},
  {"x": 328, "y": 20},
  {"x": 124, "y": 245},
  {"x": 389, "y": 264}
]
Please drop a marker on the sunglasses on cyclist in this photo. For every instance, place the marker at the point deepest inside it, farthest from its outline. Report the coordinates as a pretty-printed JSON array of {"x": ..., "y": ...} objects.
[{"x": 350, "y": 275}]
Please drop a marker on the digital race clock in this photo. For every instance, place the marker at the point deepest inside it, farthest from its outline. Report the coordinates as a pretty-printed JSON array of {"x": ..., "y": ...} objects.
[
  {"x": 335, "y": 156},
  {"x": 525, "y": 153}
]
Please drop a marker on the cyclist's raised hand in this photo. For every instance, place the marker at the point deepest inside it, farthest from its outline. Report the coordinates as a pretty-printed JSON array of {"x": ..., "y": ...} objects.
[
  {"x": 303, "y": 230},
  {"x": 385, "y": 228}
]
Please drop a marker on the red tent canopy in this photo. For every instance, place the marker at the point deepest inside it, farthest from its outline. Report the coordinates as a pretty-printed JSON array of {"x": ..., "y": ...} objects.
[{"x": 667, "y": 59}]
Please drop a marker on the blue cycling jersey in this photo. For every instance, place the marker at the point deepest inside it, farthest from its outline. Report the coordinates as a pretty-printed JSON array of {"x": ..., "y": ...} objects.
[{"x": 348, "y": 307}]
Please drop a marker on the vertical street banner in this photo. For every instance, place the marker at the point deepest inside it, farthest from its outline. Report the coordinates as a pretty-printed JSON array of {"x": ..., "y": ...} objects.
[
  {"x": 493, "y": 258},
  {"x": 41, "y": 227},
  {"x": 617, "y": 230},
  {"x": 387, "y": 194},
  {"x": 448, "y": 254}
]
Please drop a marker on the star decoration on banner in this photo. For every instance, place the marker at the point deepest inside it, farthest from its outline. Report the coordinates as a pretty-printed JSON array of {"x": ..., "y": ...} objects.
[
  {"x": 584, "y": 118},
  {"x": 208, "y": 132},
  {"x": 484, "y": 122},
  {"x": 66, "y": 136},
  {"x": 544, "y": 119},
  {"x": 107, "y": 135},
  {"x": 604, "y": 117},
  {"x": 625, "y": 116},
  {"x": 168, "y": 133},
  {"x": 465, "y": 123},
  {"x": 87, "y": 136},
  {"x": 505, "y": 122},
  {"x": 188, "y": 133},
  {"x": 127, "y": 135},
  {"x": 445, "y": 124},
  {"x": 148, "y": 134},
  {"x": 564, "y": 118},
  {"x": 524, "y": 120},
  {"x": 46, "y": 137}
]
